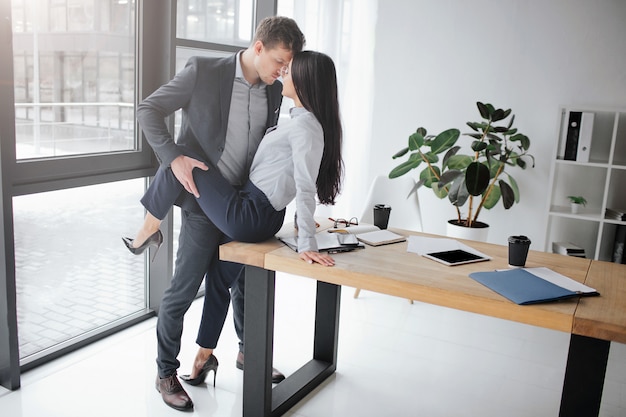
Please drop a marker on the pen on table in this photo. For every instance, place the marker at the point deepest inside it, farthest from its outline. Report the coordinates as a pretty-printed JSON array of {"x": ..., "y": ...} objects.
[{"x": 334, "y": 220}]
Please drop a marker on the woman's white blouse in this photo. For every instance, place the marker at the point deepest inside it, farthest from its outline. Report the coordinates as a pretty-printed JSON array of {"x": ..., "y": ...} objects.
[{"x": 286, "y": 166}]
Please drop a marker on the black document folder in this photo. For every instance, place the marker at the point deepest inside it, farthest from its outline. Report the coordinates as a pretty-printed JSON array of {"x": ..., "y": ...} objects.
[{"x": 523, "y": 287}]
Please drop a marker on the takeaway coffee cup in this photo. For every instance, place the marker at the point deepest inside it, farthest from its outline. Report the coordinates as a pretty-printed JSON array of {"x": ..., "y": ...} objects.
[
  {"x": 381, "y": 215},
  {"x": 518, "y": 250}
]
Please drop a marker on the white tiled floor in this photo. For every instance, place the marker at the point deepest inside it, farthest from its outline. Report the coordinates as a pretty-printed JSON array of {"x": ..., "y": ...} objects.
[{"x": 395, "y": 359}]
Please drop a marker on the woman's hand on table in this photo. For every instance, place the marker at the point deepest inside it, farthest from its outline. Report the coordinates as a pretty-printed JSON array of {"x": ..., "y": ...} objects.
[{"x": 317, "y": 257}]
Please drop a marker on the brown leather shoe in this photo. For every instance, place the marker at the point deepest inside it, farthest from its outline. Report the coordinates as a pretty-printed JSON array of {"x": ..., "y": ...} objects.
[
  {"x": 173, "y": 393},
  {"x": 277, "y": 376}
]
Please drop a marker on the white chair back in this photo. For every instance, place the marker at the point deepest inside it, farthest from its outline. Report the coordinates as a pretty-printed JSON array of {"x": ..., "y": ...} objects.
[{"x": 405, "y": 212}]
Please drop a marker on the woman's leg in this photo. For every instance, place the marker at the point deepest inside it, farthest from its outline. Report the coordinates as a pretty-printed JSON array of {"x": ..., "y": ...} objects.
[
  {"x": 149, "y": 227},
  {"x": 158, "y": 199},
  {"x": 244, "y": 215}
]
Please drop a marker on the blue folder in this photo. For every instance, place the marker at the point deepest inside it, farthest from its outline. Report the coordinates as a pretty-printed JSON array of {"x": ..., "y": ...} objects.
[{"x": 522, "y": 287}]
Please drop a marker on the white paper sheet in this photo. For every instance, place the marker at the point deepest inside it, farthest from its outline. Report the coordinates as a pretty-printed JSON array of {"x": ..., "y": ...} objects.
[
  {"x": 422, "y": 245},
  {"x": 560, "y": 280}
]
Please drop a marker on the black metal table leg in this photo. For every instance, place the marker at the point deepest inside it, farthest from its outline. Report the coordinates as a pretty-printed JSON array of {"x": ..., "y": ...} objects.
[
  {"x": 584, "y": 376},
  {"x": 259, "y": 399},
  {"x": 259, "y": 341}
]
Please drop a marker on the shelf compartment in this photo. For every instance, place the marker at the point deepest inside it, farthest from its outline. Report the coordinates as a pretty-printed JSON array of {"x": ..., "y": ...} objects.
[
  {"x": 580, "y": 232},
  {"x": 574, "y": 179},
  {"x": 607, "y": 246},
  {"x": 602, "y": 135},
  {"x": 616, "y": 197}
]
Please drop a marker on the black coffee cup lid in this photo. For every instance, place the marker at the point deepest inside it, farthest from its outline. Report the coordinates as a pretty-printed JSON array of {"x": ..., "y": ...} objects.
[{"x": 519, "y": 239}]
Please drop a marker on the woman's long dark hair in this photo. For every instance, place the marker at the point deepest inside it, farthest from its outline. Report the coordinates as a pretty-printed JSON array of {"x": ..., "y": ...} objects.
[{"x": 315, "y": 81}]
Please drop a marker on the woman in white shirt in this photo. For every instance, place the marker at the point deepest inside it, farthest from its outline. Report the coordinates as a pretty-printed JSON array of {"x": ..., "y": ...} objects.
[{"x": 300, "y": 160}]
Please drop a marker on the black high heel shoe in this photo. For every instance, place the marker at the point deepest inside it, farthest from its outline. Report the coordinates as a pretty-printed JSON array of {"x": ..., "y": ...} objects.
[
  {"x": 155, "y": 240},
  {"x": 211, "y": 364}
]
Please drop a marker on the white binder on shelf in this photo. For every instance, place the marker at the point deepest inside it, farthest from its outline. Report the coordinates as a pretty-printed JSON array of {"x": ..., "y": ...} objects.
[
  {"x": 575, "y": 144},
  {"x": 584, "y": 137}
]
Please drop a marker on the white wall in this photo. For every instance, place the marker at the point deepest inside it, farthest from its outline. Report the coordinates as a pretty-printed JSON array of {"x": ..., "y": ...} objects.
[{"x": 435, "y": 58}]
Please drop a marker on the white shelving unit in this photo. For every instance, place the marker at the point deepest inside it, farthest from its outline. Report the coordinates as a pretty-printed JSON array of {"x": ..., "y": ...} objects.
[{"x": 601, "y": 180}]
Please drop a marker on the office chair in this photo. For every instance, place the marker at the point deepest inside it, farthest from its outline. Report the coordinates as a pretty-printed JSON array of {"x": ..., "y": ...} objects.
[{"x": 405, "y": 212}]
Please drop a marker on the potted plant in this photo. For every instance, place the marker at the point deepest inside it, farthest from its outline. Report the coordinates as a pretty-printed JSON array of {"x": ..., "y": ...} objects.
[
  {"x": 479, "y": 179},
  {"x": 576, "y": 201}
]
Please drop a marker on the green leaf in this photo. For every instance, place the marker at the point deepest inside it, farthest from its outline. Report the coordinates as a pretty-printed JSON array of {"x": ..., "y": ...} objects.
[
  {"x": 493, "y": 166},
  {"x": 459, "y": 161},
  {"x": 511, "y": 121},
  {"x": 484, "y": 110},
  {"x": 478, "y": 146},
  {"x": 431, "y": 157},
  {"x": 449, "y": 176},
  {"x": 429, "y": 177},
  {"x": 421, "y": 131},
  {"x": 458, "y": 194},
  {"x": 497, "y": 115},
  {"x": 440, "y": 190},
  {"x": 444, "y": 140},
  {"x": 493, "y": 198},
  {"x": 451, "y": 152},
  {"x": 494, "y": 138},
  {"x": 523, "y": 139},
  {"x": 404, "y": 167},
  {"x": 400, "y": 153},
  {"x": 525, "y": 142},
  {"x": 478, "y": 126},
  {"x": 508, "y": 195},
  {"x": 416, "y": 140},
  {"x": 475, "y": 126},
  {"x": 514, "y": 187},
  {"x": 476, "y": 178}
]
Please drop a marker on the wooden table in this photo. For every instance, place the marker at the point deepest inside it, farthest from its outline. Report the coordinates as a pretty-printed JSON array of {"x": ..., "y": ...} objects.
[{"x": 592, "y": 321}]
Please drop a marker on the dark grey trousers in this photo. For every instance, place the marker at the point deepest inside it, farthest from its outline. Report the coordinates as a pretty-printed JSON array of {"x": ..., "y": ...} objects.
[{"x": 242, "y": 214}]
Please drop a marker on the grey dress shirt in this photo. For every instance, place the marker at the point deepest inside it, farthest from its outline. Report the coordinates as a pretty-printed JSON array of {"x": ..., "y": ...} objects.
[{"x": 203, "y": 90}]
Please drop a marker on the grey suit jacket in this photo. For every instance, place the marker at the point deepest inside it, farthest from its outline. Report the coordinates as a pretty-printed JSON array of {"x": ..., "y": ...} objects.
[{"x": 202, "y": 90}]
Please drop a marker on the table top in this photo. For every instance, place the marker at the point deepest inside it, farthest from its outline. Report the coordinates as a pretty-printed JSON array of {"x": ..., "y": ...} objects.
[
  {"x": 603, "y": 317},
  {"x": 391, "y": 270}
]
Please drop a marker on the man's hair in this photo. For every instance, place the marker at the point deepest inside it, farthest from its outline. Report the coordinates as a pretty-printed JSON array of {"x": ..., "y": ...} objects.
[{"x": 280, "y": 31}]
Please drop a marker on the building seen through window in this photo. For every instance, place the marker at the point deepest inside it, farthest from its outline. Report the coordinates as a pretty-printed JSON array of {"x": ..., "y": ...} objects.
[{"x": 74, "y": 71}]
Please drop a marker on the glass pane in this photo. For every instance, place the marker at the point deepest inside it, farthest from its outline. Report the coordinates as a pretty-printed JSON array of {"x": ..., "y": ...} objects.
[
  {"x": 228, "y": 22},
  {"x": 74, "y": 66},
  {"x": 73, "y": 273}
]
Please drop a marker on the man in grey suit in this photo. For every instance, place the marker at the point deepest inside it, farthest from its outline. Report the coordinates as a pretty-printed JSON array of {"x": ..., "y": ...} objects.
[{"x": 227, "y": 105}]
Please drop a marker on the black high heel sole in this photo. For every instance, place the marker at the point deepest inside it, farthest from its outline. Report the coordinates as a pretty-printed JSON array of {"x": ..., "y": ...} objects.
[
  {"x": 154, "y": 240},
  {"x": 211, "y": 364}
]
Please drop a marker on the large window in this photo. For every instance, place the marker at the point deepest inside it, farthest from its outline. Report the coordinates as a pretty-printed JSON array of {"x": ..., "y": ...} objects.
[
  {"x": 228, "y": 22},
  {"x": 74, "y": 66},
  {"x": 74, "y": 69}
]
